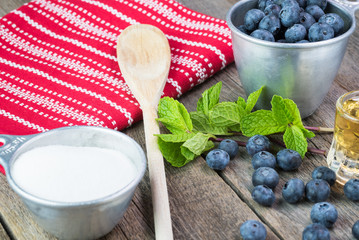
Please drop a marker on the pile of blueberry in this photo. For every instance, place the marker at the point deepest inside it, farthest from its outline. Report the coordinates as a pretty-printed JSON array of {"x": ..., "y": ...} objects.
[
  {"x": 292, "y": 21},
  {"x": 265, "y": 178}
]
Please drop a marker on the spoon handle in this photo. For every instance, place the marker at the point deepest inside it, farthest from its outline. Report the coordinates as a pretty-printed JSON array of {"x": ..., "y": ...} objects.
[{"x": 161, "y": 209}]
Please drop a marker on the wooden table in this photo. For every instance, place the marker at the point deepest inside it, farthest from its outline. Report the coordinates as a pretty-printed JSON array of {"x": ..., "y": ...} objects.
[{"x": 206, "y": 204}]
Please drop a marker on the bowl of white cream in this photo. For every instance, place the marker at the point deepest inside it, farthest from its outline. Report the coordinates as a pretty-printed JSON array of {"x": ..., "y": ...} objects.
[{"x": 77, "y": 181}]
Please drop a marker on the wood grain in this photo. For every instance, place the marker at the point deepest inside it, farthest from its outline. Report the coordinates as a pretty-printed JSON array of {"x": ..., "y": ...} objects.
[
  {"x": 206, "y": 204},
  {"x": 3, "y": 234}
]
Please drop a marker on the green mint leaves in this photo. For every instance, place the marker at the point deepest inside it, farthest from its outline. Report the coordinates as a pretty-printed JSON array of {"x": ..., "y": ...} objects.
[
  {"x": 192, "y": 133},
  {"x": 284, "y": 117}
]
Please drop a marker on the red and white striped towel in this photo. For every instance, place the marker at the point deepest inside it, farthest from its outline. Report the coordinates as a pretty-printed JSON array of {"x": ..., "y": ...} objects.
[{"x": 58, "y": 60}]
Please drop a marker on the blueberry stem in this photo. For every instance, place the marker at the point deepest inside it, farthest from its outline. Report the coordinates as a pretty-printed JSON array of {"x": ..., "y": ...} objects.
[
  {"x": 320, "y": 129},
  {"x": 310, "y": 149}
]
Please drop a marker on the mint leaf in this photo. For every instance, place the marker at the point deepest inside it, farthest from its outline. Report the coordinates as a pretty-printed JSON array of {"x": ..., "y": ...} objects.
[
  {"x": 196, "y": 144},
  {"x": 260, "y": 122},
  {"x": 307, "y": 133},
  {"x": 174, "y": 116},
  {"x": 241, "y": 103},
  {"x": 175, "y": 138},
  {"x": 235, "y": 128},
  {"x": 171, "y": 153},
  {"x": 201, "y": 124},
  {"x": 225, "y": 114},
  {"x": 209, "y": 98},
  {"x": 280, "y": 111},
  {"x": 252, "y": 100},
  {"x": 294, "y": 139}
]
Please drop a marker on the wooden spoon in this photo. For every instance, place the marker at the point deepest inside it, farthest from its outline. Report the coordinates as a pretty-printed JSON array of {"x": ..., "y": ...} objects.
[{"x": 144, "y": 58}]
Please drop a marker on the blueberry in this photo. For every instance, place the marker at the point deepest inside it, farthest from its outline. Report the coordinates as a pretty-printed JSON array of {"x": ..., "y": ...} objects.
[
  {"x": 355, "y": 230},
  {"x": 334, "y": 20},
  {"x": 351, "y": 189},
  {"x": 262, "y": 4},
  {"x": 295, "y": 33},
  {"x": 315, "y": 231},
  {"x": 265, "y": 176},
  {"x": 263, "y": 35},
  {"x": 217, "y": 159},
  {"x": 303, "y": 41},
  {"x": 306, "y": 20},
  {"x": 315, "y": 11},
  {"x": 317, "y": 190},
  {"x": 282, "y": 41},
  {"x": 243, "y": 29},
  {"x": 263, "y": 159},
  {"x": 272, "y": 9},
  {"x": 321, "y": 3},
  {"x": 289, "y": 3},
  {"x": 324, "y": 173},
  {"x": 270, "y": 23},
  {"x": 253, "y": 230},
  {"x": 324, "y": 213},
  {"x": 263, "y": 195},
  {"x": 293, "y": 190},
  {"x": 289, "y": 15},
  {"x": 252, "y": 19},
  {"x": 257, "y": 143},
  {"x": 302, "y": 3},
  {"x": 230, "y": 146},
  {"x": 288, "y": 159},
  {"x": 320, "y": 31}
]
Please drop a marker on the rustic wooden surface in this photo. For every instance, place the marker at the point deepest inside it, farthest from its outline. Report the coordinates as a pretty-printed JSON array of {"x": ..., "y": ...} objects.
[{"x": 206, "y": 204}]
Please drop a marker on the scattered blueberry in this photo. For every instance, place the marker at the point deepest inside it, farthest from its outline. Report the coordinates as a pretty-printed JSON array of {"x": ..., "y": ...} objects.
[
  {"x": 263, "y": 35},
  {"x": 257, "y": 143},
  {"x": 295, "y": 33},
  {"x": 351, "y": 189},
  {"x": 320, "y": 31},
  {"x": 272, "y": 9},
  {"x": 355, "y": 230},
  {"x": 334, "y": 20},
  {"x": 321, "y": 3},
  {"x": 252, "y": 19},
  {"x": 263, "y": 159},
  {"x": 324, "y": 213},
  {"x": 288, "y": 159},
  {"x": 217, "y": 159},
  {"x": 317, "y": 190},
  {"x": 270, "y": 23},
  {"x": 263, "y": 195},
  {"x": 316, "y": 231},
  {"x": 289, "y": 15},
  {"x": 253, "y": 230},
  {"x": 315, "y": 11},
  {"x": 265, "y": 176},
  {"x": 306, "y": 20},
  {"x": 324, "y": 173},
  {"x": 293, "y": 190},
  {"x": 230, "y": 146}
]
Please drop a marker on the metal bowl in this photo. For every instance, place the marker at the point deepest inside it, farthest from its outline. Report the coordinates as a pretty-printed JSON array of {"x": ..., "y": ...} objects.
[
  {"x": 301, "y": 72},
  {"x": 75, "y": 220}
]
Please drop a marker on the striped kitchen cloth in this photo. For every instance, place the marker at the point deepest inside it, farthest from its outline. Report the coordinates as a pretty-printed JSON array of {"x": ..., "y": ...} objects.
[{"x": 58, "y": 60}]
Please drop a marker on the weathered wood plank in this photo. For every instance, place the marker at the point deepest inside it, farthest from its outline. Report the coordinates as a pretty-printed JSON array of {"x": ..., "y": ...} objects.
[{"x": 3, "y": 234}]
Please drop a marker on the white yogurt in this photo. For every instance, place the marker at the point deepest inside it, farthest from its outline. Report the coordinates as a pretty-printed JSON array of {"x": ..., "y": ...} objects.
[{"x": 72, "y": 174}]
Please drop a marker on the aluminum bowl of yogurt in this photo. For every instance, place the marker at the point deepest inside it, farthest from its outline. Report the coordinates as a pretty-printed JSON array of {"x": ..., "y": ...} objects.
[{"x": 77, "y": 181}]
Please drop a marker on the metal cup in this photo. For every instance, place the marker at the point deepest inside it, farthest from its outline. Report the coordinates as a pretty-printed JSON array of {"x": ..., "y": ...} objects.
[
  {"x": 301, "y": 72},
  {"x": 343, "y": 155},
  {"x": 78, "y": 220}
]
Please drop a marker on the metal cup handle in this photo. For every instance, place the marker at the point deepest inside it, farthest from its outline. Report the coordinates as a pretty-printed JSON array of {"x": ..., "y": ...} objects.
[
  {"x": 351, "y": 6},
  {"x": 10, "y": 143}
]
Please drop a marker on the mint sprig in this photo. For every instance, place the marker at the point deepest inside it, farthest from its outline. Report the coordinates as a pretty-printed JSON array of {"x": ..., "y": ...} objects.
[{"x": 192, "y": 133}]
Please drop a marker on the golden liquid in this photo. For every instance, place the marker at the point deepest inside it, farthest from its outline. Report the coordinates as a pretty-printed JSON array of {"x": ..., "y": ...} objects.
[{"x": 343, "y": 156}]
